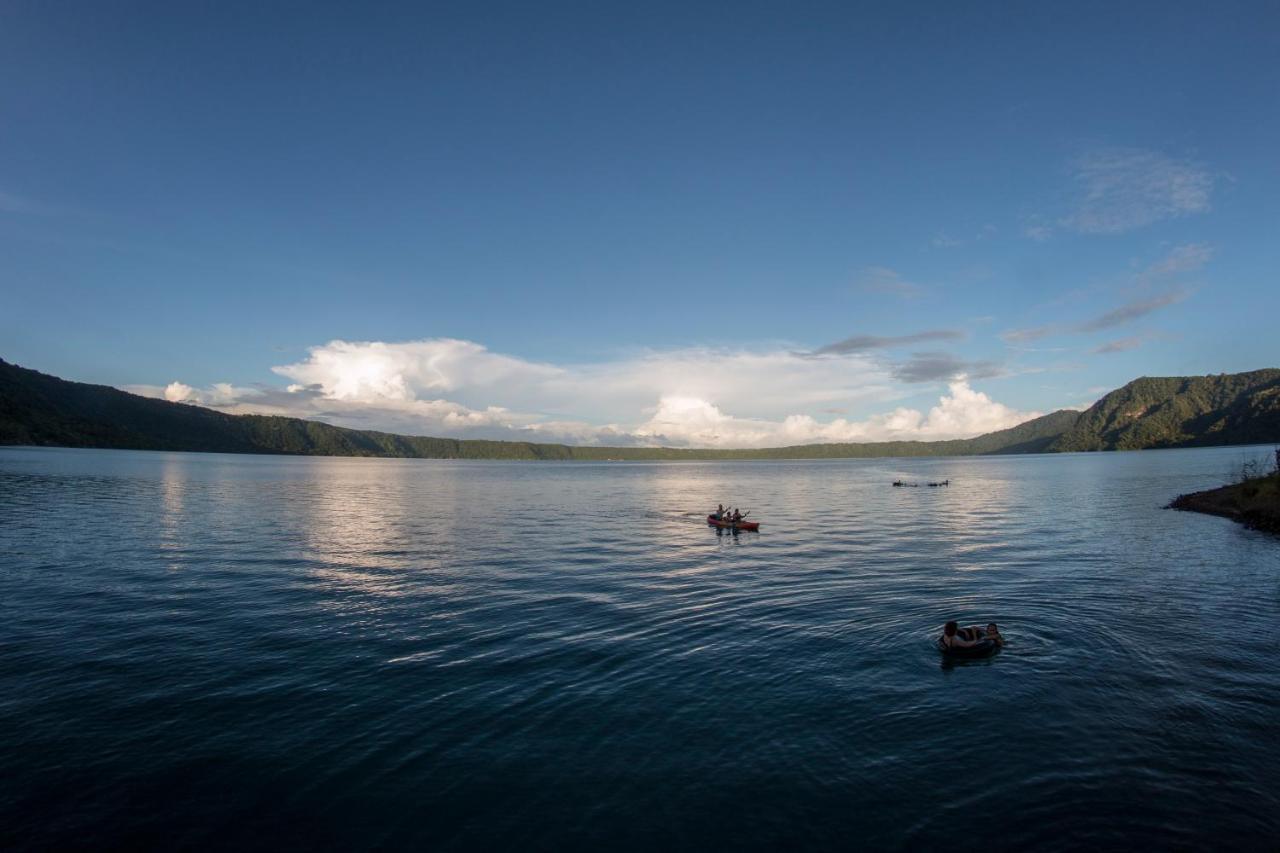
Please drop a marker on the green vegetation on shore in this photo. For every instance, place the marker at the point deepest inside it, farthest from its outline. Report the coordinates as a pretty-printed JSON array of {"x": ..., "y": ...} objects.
[
  {"x": 37, "y": 409},
  {"x": 1181, "y": 411},
  {"x": 1254, "y": 502}
]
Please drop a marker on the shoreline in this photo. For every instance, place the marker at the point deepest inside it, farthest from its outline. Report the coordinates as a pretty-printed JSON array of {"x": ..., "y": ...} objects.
[
  {"x": 687, "y": 455},
  {"x": 1255, "y": 503}
]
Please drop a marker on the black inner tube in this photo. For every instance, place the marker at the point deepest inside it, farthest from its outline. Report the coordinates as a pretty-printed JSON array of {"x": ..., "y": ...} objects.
[{"x": 981, "y": 650}]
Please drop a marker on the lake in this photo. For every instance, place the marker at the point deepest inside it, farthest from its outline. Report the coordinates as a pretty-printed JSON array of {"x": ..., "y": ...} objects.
[{"x": 280, "y": 652}]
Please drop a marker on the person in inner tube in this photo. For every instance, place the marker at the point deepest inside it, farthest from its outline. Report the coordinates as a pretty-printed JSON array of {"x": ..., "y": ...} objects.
[
  {"x": 993, "y": 634},
  {"x": 953, "y": 638}
]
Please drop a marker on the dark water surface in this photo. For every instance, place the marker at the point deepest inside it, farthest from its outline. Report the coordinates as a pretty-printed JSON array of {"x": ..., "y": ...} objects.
[{"x": 203, "y": 649}]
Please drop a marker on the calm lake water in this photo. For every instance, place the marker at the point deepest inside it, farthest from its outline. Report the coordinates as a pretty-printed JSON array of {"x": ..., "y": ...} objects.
[{"x": 202, "y": 649}]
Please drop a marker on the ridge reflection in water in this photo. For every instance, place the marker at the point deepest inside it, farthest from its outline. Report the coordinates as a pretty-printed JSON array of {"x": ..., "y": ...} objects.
[{"x": 361, "y": 653}]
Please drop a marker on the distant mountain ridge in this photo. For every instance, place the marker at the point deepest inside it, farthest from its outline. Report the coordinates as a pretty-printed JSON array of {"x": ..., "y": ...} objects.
[
  {"x": 1180, "y": 411},
  {"x": 38, "y": 409}
]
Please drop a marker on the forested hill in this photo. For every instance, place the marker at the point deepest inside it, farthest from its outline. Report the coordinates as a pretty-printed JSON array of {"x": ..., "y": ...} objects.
[
  {"x": 1181, "y": 411},
  {"x": 37, "y": 409}
]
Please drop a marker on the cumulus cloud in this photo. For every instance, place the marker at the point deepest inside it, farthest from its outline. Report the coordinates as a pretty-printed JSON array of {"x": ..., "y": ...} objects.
[
  {"x": 859, "y": 343},
  {"x": 358, "y": 371},
  {"x": 968, "y": 412},
  {"x": 218, "y": 394},
  {"x": 767, "y": 383},
  {"x": 685, "y": 397},
  {"x": 961, "y": 413},
  {"x": 1126, "y": 188},
  {"x": 176, "y": 392}
]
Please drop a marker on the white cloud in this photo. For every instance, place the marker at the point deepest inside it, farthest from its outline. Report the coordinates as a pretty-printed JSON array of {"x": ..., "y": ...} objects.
[
  {"x": 964, "y": 412},
  {"x": 376, "y": 370},
  {"x": 218, "y": 394},
  {"x": 969, "y": 412},
  {"x": 685, "y": 397},
  {"x": 1126, "y": 188},
  {"x": 176, "y": 392}
]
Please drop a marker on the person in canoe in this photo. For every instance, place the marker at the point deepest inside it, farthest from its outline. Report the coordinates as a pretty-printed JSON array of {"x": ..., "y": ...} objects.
[
  {"x": 719, "y": 513},
  {"x": 737, "y": 515}
]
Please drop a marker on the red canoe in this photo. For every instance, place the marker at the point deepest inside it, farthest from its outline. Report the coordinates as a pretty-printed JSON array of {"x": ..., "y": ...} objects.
[{"x": 741, "y": 525}]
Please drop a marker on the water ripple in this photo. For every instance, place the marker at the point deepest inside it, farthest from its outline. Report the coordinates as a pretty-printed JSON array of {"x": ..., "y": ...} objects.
[{"x": 390, "y": 653}]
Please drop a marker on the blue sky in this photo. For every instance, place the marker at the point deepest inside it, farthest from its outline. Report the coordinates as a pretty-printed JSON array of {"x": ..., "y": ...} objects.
[{"x": 580, "y": 208}]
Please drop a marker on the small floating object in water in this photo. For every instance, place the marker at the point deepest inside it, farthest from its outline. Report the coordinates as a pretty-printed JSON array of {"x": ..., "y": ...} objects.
[
  {"x": 943, "y": 483},
  {"x": 900, "y": 483}
]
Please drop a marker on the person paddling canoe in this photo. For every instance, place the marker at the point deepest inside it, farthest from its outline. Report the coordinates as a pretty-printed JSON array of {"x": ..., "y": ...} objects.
[{"x": 735, "y": 520}]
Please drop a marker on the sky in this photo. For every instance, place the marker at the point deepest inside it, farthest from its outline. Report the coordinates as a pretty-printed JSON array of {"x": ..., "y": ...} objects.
[{"x": 745, "y": 224}]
